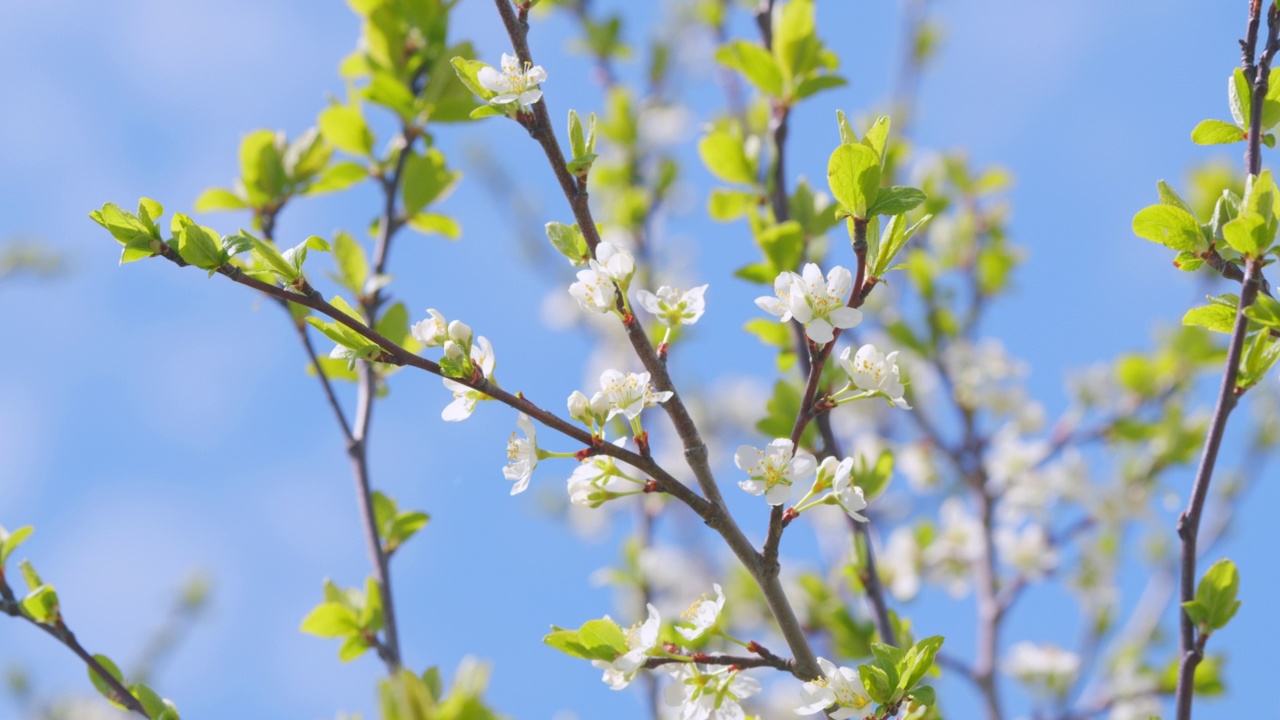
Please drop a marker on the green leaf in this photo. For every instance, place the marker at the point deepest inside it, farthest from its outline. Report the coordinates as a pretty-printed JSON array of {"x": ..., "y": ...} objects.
[
  {"x": 795, "y": 40},
  {"x": 338, "y": 176},
  {"x": 306, "y": 156},
  {"x": 467, "y": 71},
  {"x": 726, "y": 205},
  {"x": 389, "y": 91},
  {"x": 100, "y": 684},
  {"x": 1239, "y": 99},
  {"x": 918, "y": 661},
  {"x": 603, "y": 638},
  {"x": 331, "y": 620},
  {"x": 353, "y": 264},
  {"x": 569, "y": 242},
  {"x": 876, "y": 682},
  {"x": 892, "y": 240},
  {"x": 1265, "y": 311},
  {"x": 816, "y": 84},
  {"x": 877, "y": 137},
  {"x": 344, "y": 127},
  {"x": 755, "y": 63},
  {"x": 394, "y": 324},
  {"x": 12, "y": 541},
  {"x": 426, "y": 180},
  {"x": 261, "y": 166},
  {"x": 770, "y": 332},
  {"x": 759, "y": 273},
  {"x": 924, "y": 695},
  {"x": 485, "y": 111},
  {"x": 41, "y": 603},
  {"x": 896, "y": 200},
  {"x": 1211, "y": 317},
  {"x": 783, "y": 245},
  {"x": 352, "y": 648},
  {"x": 1215, "y": 602},
  {"x": 1169, "y": 196},
  {"x": 150, "y": 699},
  {"x": 266, "y": 254},
  {"x": 436, "y": 224},
  {"x": 566, "y": 641},
  {"x": 1216, "y": 132},
  {"x": 888, "y": 653},
  {"x": 1249, "y": 235},
  {"x": 198, "y": 245},
  {"x": 847, "y": 135},
  {"x": 215, "y": 199},
  {"x": 853, "y": 174},
  {"x": 724, "y": 153},
  {"x": 1172, "y": 227}
]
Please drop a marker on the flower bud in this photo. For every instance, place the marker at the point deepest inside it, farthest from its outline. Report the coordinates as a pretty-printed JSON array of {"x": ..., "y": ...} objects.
[
  {"x": 433, "y": 331},
  {"x": 579, "y": 407},
  {"x": 453, "y": 351},
  {"x": 460, "y": 332}
]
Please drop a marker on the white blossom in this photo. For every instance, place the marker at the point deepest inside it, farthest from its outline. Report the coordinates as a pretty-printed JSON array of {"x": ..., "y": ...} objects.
[
  {"x": 641, "y": 639},
  {"x": 522, "y": 455},
  {"x": 838, "y": 687},
  {"x": 870, "y": 369},
  {"x": 1028, "y": 551},
  {"x": 594, "y": 291},
  {"x": 598, "y": 479},
  {"x": 815, "y": 302},
  {"x": 708, "y": 696},
  {"x": 628, "y": 394},
  {"x": 958, "y": 545},
  {"x": 702, "y": 615},
  {"x": 774, "y": 470},
  {"x": 838, "y": 475},
  {"x": 614, "y": 263},
  {"x": 674, "y": 307},
  {"x": 465, "y": 398},
  {"x": 1045, "y": 669},
  {"x": 432, "y": 332},
  {"x": 916, "y": 462},
  {"x": 900, "y": 564},
  {"x": 516, "y": 82}
]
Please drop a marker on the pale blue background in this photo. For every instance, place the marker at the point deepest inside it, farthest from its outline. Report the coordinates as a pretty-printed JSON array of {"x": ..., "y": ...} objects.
[{"x": 152, "y": 422}]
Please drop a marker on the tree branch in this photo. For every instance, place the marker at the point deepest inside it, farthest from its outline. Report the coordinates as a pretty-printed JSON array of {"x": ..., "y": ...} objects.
[{"x": 695, "y": 449}]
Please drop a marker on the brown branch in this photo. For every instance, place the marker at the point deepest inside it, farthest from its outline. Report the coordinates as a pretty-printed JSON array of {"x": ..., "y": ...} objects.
[
  {"x": 58, "y": 630},
  {"x": 717, "y": 515},
  {"x": 1192, "y": 648}
]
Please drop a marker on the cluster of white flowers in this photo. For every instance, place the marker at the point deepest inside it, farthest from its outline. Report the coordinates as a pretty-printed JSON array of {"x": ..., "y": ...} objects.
[
  {"x": 518, "y": 82},
  {"x": 837, "y": 476},
  {"x": 949, "y": 559},
  {"x": 596, "y": 289},
  {"x": 1046, "y": 670},
  {"x": 817, "y": 303},
  {"x": 1028, "y": 551},
  {"x": 900, "y": 564},
  {"x": 983, "y": 377}
]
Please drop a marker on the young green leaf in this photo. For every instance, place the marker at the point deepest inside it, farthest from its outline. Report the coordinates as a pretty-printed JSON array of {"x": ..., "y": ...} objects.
[
  {"x": 1215, "y": 602},
  {"x": 345, "y": 128},
  {"x": 896, "y": 200},
  {"x": 331, "y": 620},
  {"x": 1216, "y": 132},
  {"x": 10, "y": 541},
  {"x": 1172, "y": 227},
  {"x": 724, "y": 153},
  {"x": 1211, "y": 317},
  {"x": 100, "y": 684},
  {"x": 853, "y": 174},
  {"x": 338, "y": 176},
  {"x": 755, "y": 63}
]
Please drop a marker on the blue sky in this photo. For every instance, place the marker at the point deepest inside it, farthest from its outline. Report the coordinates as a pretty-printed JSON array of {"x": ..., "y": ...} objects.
[{"x": 153, "y": 422}]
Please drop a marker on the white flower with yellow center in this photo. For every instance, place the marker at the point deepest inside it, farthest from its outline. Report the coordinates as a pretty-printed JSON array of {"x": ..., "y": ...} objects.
[
  {"x": 594, "y": 291},
  {"x": 774, "y": 470},
  {"x": 516, "y": 83},
  {"x": 674, "y": 307},
  {"x": 522, "y": 455},
  {"x": 708, "y": 695},
  {"x": 820, "y": 304},
  {"x": 873, "y": 371},
  {"x": 838, "y": 688},
  {"x": 628, "y": 394},
  {"x": 702, "y": 615},
  {"x": 642, "y": 638},
  {"x": 465, "y": 398}
]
